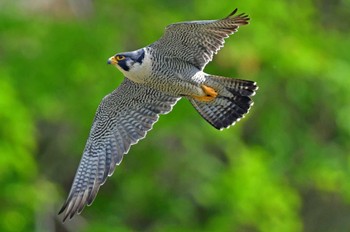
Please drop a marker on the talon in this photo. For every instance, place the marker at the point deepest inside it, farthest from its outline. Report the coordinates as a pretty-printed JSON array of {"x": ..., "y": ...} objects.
[{"x": 210, "y": 94}]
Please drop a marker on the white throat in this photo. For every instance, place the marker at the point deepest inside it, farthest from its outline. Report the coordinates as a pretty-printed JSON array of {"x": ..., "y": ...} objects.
[{"x": 139, "y": 72}]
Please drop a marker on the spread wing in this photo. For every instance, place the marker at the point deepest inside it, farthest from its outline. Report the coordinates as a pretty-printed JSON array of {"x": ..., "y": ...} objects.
[
  {"x": 122, "y": 118},
  {"x": 197, "y": 41}
]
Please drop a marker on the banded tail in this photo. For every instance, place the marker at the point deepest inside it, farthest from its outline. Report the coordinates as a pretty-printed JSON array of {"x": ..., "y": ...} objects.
[{"x": 230, "y": 104}]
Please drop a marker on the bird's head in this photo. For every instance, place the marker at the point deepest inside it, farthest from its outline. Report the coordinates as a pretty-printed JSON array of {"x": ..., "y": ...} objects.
[{"x": 127, "y": 61}]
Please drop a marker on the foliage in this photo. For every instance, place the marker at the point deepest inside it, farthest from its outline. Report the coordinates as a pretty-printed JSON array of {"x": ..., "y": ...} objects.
[{"x": 285, "y": 167}]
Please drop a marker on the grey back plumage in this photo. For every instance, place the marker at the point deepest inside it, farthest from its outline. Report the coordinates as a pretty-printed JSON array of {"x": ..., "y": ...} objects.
[
  {"x": 122, "y": 119},
  {"x": 196, "y": 42}
]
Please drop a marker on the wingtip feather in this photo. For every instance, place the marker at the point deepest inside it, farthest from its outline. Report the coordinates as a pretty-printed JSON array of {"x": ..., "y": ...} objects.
[
  {"x": 62, "y": 208},
  {"x": 241, "y": 18},
  {"x": 232, "y": 13}
]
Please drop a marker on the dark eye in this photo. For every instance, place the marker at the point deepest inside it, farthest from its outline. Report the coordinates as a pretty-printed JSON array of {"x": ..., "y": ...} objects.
[{"x": 120, "y": 58}]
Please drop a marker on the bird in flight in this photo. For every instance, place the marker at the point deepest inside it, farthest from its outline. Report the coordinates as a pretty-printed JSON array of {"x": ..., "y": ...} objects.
[{"x": 157, "y": 76}]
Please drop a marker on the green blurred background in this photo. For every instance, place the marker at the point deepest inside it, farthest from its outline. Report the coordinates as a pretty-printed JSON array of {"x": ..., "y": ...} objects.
[{"x": 284, "y": 167}]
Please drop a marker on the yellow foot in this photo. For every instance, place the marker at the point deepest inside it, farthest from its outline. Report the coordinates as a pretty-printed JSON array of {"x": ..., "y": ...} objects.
[{"x": 210, "y": 94}]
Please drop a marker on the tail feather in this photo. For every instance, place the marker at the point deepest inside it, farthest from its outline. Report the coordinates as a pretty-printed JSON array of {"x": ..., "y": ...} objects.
[{"x": 231, "y": 104}]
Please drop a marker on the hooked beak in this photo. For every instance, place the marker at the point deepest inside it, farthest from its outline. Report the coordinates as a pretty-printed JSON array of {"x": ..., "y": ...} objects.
[{"x": 112, "y": 60}]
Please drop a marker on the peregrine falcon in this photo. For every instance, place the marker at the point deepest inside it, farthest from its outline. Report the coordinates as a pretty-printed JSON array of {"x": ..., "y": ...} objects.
[{"x": 157, "y": 76}]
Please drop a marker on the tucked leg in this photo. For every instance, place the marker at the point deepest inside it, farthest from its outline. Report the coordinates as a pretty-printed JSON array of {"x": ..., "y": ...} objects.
[{"x": 210, "y": 94}]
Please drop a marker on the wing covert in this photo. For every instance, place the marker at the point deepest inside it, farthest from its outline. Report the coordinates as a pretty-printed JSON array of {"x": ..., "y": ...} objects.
[
  {"x": 122, "y": 119},
  {"x": 196, "y": 42}
]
